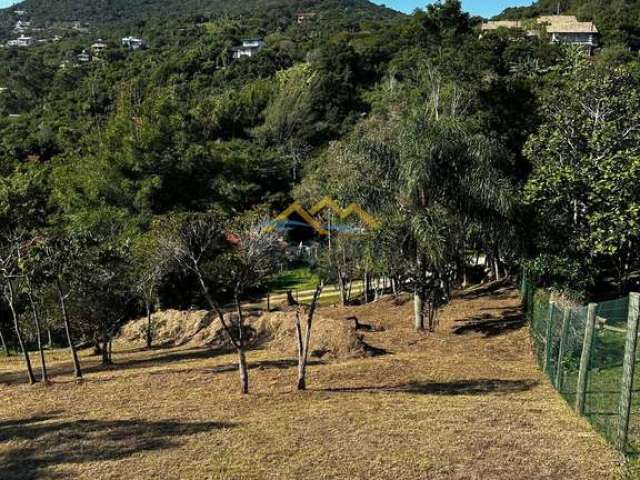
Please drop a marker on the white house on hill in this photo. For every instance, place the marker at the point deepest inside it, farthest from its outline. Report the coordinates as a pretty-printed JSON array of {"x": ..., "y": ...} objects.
[
  {"x": 560, "y": 28},
  {"x": 84, "y": 57},
  {"x": 133, "y": 43},
  {"x": 99, "y": 46},
  {"x": 21, "y": 41},
  {"x": 249, "y": 48}
]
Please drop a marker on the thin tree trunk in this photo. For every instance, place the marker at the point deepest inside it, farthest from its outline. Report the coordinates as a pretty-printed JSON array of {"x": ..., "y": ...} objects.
[
  {"x": 301, "y": 370},
  {"x": 242, "y": 358},
  {"x": 67, "y": 329},
  {"x": 496, "y": 267},
  {"x": 49, "y": 338},
  {"x": 341, "y": 286},
  {"x": 105, "y": 352},
  {"x": 365, "y": 287},
  {"x": 25, "y": 353},
  {"x": 36, "y": 320},
  {"x": 244, "y": 371},
  {"x": 4, "y": 345},
  {"x": 418, "y": 308},
  {"x": 215, "y": 307},
  {"x": 303, "y": 345},
  {"x": 149, "y": 338},
  {"x": 97, "y": 349}
]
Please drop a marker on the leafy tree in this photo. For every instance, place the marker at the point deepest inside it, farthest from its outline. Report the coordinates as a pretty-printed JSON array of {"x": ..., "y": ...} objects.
[
  {"x": 583, "y": 185},
  {"x": 10, "y": 274},
  {"x": 149, "y": 267}
]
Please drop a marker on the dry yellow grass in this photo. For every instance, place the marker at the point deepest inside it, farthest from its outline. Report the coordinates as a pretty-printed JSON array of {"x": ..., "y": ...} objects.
[{"x": 470, "y": 405}]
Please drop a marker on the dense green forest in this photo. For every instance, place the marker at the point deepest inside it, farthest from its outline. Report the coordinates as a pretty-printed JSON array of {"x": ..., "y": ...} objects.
[
  {"x": 136, "y": 180},
  {"x": 107, "y": 16}
]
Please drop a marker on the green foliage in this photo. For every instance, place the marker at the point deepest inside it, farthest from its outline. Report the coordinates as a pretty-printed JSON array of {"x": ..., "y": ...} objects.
[{"x": 585, "y": 169}]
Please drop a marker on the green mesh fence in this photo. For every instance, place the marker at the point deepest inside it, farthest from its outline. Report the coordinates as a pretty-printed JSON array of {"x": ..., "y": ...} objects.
[{"x": 558, "y": 338}]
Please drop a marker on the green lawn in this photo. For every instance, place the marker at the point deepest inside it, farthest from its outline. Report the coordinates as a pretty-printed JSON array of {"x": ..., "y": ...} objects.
[{"x": 300, "y": 279}]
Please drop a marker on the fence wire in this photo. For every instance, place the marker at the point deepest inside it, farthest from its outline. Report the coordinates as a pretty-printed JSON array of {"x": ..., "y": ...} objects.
[{"x": 558, "y": 339}]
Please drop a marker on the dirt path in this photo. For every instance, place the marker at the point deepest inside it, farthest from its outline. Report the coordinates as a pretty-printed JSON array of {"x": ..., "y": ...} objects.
[{"x": 465, "y": 403}]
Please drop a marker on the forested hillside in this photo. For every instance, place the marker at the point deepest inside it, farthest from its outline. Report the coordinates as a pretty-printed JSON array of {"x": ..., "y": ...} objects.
[
  {"x": 617, "y": 20},
  {"x": 103, "y": 15},
  {"x": 135, "y": 179}
]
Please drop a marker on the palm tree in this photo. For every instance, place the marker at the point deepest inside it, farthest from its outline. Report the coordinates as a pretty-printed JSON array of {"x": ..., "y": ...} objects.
[{"x": 448, "y": 177}]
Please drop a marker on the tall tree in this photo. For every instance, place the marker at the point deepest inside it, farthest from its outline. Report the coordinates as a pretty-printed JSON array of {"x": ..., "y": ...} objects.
[
  {"x": 584, "y": 188},
  {"x": 10, "y": 273}
]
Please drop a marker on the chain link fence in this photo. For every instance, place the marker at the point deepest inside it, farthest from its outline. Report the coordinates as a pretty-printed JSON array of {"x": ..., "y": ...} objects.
[{"x": 590, "y": 354}]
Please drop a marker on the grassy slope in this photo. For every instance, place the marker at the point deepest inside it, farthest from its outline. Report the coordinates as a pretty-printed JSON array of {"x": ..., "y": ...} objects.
[{"x": 443, "y": 406}]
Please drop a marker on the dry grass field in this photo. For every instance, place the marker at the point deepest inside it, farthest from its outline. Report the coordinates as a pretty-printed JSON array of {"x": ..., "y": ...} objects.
[{"x": 465, "y": 403}]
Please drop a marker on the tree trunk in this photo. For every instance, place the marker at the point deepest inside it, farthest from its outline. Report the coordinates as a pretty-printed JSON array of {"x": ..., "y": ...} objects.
[
  {"x": 149, "y": 337},
  {"x": 496, "y": 267},
  {"x": 67, "y": 329},
  {"x": 49, "y": 339},
  {"x": 365, "y": 287},
  {"x": 290, "y": 300},
  {"x": 215, "y": 307},
  {"x": 4, "y": 345},
  {"x": 105, "y": 353},
  {"x": 418, "y": 308},
  {"x": 36, "y": 321},
  {"x": 97, "y": 349},
  {"x": 242, "y": 358},
  {"x": 303, "y": 345},
  {"x": 244, "y": 371},
  {"x": 341, "y": 286},
  {"x": 43, "y": 363},
  {"x": 25, "y": 353},
  {"x": 301, "y": 367}
]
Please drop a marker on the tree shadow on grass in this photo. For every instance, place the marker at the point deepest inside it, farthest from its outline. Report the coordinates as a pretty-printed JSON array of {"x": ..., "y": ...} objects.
[
  {"x": 500, "y": 289},
  {"x": 461, "y": 387},
  {"x": 283, "y": 364},
  {"x": 45, "y": 443},
  {"x": 18, "y": 377},
  {"x": 491, "y": 326},
  {"x": 66, "y": 368}
]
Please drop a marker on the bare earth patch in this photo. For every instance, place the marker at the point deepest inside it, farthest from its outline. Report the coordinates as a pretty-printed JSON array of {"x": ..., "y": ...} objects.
[{"x": 465, "y": 403}]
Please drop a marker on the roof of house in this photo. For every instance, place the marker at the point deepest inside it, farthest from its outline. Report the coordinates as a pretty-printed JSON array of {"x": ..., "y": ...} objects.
[
  {"x": 553, "y": 23},
  {"x": 494, "y": 25},
  {"x": 566, "y": 24}
]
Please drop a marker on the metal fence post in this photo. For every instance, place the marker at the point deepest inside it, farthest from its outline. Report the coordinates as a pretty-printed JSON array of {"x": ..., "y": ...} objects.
[
  {"x": 587, "y": 343},
  {"x": 566, "y": 319},
  {"x": 628, "y": 367},
  {"x": 547, "y": 339}
]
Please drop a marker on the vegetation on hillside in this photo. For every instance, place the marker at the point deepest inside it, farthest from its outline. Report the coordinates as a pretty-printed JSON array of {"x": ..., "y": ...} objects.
[{"x": 143, "y": 179}]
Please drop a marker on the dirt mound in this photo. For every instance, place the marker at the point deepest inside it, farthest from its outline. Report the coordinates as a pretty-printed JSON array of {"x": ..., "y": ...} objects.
[
  {"x": 175, "y": 328},
  {"x": 330, "y": 337}
]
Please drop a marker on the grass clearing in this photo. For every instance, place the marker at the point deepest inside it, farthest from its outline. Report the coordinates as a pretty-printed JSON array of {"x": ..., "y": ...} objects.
[
  {"x": 300, "y": 279},
  {"x": 465, "y": 403}
]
